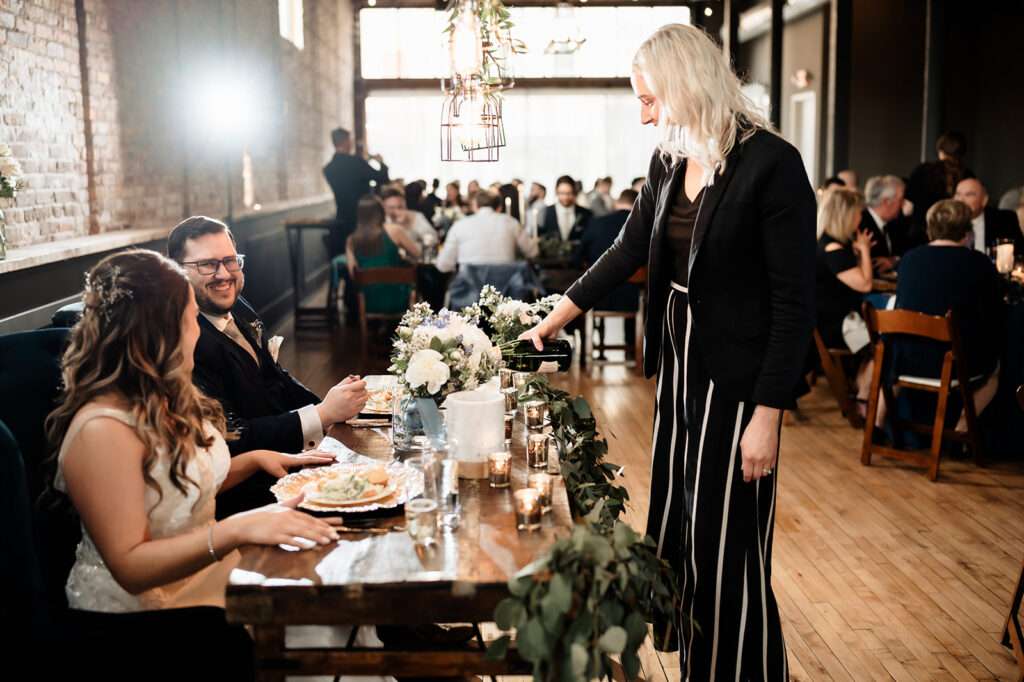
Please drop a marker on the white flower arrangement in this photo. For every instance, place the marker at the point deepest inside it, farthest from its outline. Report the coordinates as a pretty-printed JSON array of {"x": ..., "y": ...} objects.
[
  {"x": 11, "y": 175},
  {"x": 437, "y": 354},
  {"x": 509, "y": 317}
]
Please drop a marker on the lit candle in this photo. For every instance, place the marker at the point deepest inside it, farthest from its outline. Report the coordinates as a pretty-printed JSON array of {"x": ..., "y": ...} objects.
[
  {"x": 1004, "y": 258},
  {"x": 542, "y": 483},
  {"x": 537, "y": 451},
  {"x": 528, "y": 509},
  {"x": 506, "y": 377},
  {"x": 533, "y": 411},
  {"x": 509, "y": 419},
  {"x": 519, "y": 379},
  {"x": 510, "y": 400},
  {"x": 499, "y": 468}
]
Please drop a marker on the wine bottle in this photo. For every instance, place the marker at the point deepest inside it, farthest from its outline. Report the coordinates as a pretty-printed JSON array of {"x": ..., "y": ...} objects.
[{"x": 524, "y": 357}]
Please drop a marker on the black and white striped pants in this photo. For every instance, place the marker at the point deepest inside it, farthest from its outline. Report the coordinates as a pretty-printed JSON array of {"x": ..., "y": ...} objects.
[{"x": 712, "y": 527}]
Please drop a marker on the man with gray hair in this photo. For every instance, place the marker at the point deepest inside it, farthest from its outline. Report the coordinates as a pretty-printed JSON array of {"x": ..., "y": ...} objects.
[{"x": 883, "y": 219}]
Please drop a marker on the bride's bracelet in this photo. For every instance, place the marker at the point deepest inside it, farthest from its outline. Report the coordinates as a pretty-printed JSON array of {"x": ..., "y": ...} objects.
[{"x": 209, "y": 542}]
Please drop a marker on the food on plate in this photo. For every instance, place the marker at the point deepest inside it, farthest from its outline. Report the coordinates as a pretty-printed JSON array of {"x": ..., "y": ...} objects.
[
  {"x": 350, "y": 486},
  {"x": 379, "y": 400}
]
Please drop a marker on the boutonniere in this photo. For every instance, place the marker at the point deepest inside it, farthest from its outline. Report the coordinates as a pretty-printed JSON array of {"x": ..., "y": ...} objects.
[{"x": 257, "y": 329}]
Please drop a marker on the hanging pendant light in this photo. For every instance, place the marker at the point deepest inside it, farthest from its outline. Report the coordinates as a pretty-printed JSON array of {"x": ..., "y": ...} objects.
[
  {"x": 480, "y": 52},
  {"x": 472, "y": 128},
  {"x": 568, "y": 36}
]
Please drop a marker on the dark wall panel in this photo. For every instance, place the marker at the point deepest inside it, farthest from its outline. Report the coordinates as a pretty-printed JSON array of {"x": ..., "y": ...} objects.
[{"x": 887, "y": 82}]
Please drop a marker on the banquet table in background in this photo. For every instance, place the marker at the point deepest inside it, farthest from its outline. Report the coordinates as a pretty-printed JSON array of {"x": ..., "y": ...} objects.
[{"x": 384, "y": 579}]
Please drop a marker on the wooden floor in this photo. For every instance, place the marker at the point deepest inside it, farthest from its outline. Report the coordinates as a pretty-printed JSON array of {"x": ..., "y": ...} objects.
[{"x": 879, "y": 573}]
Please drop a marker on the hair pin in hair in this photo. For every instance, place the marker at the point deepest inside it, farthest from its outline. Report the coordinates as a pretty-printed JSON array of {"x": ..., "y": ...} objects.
[{"x": 107, "y": 291}]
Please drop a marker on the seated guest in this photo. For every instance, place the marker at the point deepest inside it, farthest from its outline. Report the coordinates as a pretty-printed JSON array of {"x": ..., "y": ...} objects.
[
  {"x": 412, "y": 221},
  {"x": 638, "y": 184},
  {"x": 829, "y": 184},
  {"x": 509, "y": 195},
  {"x": 883, "y": 219},
  {"x": 933, "y": 181},
  {"x": 453, "y": 199},
  {"x": 535, "y": 206},
  {"x": 599, "y": 238},
  {"x": 600, "y": 199},
  {"x": 264, "y": 404},
  {"x": 349, "y": 177},
  {"x": 942, "y": 276},
  {"x": 564, "y": 220},
  {"x": 989, "y": 225},
  {"x": 140, "y": 452},
  {"x": 375, "y": 244},
  {"x": 431, "y": 201},
  {"x": 486, "y": 237},
  {"x": 843, "y": 276}
]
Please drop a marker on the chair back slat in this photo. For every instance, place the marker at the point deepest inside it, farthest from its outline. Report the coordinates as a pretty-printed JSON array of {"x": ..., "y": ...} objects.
[
  {"x": 396, "y": 275},
  {"x": 908, "y": 322}
]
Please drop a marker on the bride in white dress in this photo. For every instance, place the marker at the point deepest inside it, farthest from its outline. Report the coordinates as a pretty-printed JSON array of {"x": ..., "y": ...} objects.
[{"x": 142, "y": 457}]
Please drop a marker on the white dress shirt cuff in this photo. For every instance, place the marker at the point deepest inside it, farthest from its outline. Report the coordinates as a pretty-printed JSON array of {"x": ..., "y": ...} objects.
[{"x": 312, "y": 429}]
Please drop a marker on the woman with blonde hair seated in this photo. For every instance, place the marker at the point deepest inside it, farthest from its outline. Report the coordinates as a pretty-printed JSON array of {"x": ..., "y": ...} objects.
[
  {"x": 141, "y": 454},
  {"x": 843, "y": 277}
]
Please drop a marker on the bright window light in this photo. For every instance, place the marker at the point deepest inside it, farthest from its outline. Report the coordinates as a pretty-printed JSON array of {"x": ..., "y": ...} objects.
[
  {"x": 408, "y": 42},
  {"x": 289, "y": 14}
]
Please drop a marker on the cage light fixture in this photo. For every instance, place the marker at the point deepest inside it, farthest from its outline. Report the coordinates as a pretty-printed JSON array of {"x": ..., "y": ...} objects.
[{"x": 472, "y": 128}]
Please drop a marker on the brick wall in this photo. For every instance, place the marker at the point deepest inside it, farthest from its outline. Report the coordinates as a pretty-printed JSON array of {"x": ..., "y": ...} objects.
[{"x": 116, "y": 144}]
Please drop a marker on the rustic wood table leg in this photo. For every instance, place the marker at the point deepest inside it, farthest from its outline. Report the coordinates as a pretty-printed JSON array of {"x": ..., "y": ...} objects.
[{"x": 270, "y": 645}]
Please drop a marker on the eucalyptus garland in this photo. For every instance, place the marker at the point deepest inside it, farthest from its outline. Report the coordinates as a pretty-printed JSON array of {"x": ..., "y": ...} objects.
[{"x": 591, "y": 596}]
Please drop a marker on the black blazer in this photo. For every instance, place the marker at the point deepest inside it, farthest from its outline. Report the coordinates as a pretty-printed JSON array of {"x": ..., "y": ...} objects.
[
  {"x": 751, "y": 271},
  {"x": 349, "y": 177},
  {"x": 548, "y": 226},
  {"x": 896, "y": 237},
  {"x": 1002, "y": 224},
  {"x": 257, "y": 399}
]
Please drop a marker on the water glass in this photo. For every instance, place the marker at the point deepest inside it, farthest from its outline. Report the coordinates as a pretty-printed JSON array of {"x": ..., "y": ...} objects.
[
  {"x": 421, "y": 520},
  {"x": 537, "y": 451}
]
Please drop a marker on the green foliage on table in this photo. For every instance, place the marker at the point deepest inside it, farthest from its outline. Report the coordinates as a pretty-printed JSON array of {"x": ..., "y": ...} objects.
[
  {"x": 591, "y": 596},
  {"x": 589, "y": 599},
  {"x": 554, "y": 248}
]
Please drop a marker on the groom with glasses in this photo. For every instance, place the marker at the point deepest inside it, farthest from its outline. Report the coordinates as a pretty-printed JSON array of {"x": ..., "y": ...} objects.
[{"x": 265, "y": 406}]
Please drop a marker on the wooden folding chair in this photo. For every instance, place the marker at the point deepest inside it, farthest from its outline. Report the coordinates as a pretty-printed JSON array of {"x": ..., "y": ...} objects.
[
  {"x": 832, "y": 364},
  {"x": 944, "y": 330},
  {"x": 639, "y": 278},
  {"x": 395, "y": 275},
  {"x": 1013, "y": 634}
]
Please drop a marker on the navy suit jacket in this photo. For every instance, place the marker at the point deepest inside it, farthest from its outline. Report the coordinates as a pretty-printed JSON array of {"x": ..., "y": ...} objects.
[{"x": 548, "y": 226}]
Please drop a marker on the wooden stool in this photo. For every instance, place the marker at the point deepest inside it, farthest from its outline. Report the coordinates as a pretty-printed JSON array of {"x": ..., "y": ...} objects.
[
  {"x": 941, "y": 329},
  {"x": 636, "y": 349}
]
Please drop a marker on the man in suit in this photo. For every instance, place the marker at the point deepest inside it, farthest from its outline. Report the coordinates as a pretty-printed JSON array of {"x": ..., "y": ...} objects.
[
  {"x": 349, "y": 177},
  {"x": 599, "y": 199},
  {"x": 598, "y": 238},
  {"x": 264, "y": 405},
  {"x": 988, "y": 224},
  {"x": 564, "y": 220},
  {"x": 883, "y": 217}
]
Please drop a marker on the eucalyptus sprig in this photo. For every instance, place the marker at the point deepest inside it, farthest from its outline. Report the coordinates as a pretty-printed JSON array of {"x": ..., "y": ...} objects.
[
  {"x": 587, "y": 600},
  {"x": 495, "y": 28}
]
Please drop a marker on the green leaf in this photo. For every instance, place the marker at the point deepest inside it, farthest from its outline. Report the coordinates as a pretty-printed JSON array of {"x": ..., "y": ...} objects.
[
  {"x": 630, "y": 664},
  {"x": 636, "y": 627},
  {"x": 498, "y": 649},
  {"x": 612, "y": 612},
  {"x": 579, "y": 659},
  {"x": 437, "y": 344},
  {"x": 508, "y": 613},
  {"x": 560, "y": 592},
  {"x": 581, "y": 407},
  {"x": 533, "y": 641},
  {"x": 613, "y": 640},
  {"x": 520, "y": 586}
]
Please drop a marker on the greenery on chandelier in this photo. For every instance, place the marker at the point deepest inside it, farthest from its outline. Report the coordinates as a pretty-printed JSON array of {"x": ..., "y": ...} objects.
[
  {"x": 496, "y": 36},
  {"x": 591, "y": 596}
]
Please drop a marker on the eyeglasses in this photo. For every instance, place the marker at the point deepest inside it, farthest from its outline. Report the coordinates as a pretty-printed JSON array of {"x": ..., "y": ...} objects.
[{"x": 210, "y": 267}]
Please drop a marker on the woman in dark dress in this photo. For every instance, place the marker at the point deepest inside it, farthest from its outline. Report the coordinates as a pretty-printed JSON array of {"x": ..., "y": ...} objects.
[
  {"x": 725, "y": 224},
  {"x": 946, "y": 275},
  {"x": 843, "y": 268}
]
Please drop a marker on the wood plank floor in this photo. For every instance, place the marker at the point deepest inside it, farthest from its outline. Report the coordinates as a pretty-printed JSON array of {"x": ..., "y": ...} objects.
[{"x": 879, "y": 573}]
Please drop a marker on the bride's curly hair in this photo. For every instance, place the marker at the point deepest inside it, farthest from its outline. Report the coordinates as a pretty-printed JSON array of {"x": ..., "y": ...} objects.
[{"x": 128, "y": 344}]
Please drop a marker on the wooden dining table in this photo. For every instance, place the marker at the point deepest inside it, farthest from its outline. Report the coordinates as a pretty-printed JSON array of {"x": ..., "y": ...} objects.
[{"x": 374, "y": 578}]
